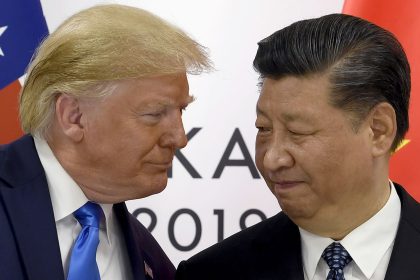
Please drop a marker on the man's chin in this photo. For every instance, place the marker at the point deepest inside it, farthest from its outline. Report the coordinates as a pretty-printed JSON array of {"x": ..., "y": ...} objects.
[{"x": 155, "y": 186}]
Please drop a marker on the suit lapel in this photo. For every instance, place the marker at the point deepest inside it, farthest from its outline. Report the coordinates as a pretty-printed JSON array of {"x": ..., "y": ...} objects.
[
  {"x": 405, "y": 256},
  {"x": 28, "y": 206},
  {"x": 278, "y": 255},
  {"x": 132, "y": 242}
]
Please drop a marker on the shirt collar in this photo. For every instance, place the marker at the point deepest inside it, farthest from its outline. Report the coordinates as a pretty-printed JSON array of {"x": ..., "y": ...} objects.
[
  {"x": 66, "y": 195},
  {"x": 366, "y": 244},
  {"x": 312, "y": 248}
]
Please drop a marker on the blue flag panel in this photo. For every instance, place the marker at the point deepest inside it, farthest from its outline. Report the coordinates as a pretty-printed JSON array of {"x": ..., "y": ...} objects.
[{"x": 22, "y": 28}]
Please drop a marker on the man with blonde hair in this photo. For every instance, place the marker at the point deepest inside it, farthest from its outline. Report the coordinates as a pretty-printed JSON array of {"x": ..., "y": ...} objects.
[{"x": 101, "y": 106}]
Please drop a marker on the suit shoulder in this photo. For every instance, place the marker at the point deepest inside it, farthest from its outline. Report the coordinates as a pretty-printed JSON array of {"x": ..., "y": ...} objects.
[
  {"x": 252, "y": 253},
  {"x": 19, "y": 162},
  {"x": 410, "y": 208},
  {"x": 241, "y": 242},
  {"x": 3, "y": 149}
]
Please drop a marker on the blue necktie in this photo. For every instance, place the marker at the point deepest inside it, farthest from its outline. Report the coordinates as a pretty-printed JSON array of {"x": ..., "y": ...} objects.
[
  {"x": 83, "y": 264},
  {"x": 337, "y": 258}
]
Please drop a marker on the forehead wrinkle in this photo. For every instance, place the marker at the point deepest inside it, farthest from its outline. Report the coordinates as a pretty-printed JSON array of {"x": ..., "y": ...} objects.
[
  {"x": 286, "y": 117},
  {"x": 296, "y": 117}
]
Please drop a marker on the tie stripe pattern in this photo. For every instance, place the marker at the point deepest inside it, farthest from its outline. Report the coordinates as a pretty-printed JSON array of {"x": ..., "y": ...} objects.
[
  {"x": 337, "y": 258},
  {"x": 83, "y": 264}
]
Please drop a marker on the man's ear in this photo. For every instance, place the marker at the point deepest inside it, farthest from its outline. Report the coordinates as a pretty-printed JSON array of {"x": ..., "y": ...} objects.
[
  {"x": 68, "y": 115},
  {"x": 383, "y": 124}
]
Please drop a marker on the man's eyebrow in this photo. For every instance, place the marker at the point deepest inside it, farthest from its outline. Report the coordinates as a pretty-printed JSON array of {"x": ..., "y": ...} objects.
[
  {"x": 166, "y": 103},
  {"x": 297, "y": 117},
  {"x": 286, "y": 116}
]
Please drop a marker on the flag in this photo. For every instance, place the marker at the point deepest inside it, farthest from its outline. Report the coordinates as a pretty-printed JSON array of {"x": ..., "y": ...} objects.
[
  {"x": 402, "y": 19},
  {"x": 22, "y": 28}
]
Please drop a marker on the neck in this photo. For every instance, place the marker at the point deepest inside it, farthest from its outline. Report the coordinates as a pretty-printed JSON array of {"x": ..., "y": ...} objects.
[
  {"x": 366, "y": 210},
  {"x": 88, "y": 181},
  {"x": 338, "y": 222}
]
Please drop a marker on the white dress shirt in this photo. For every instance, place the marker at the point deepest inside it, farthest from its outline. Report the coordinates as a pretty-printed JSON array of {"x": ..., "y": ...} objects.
[
  {"x": 67, "y": 197},
  {"x": 370, "y": 245}
]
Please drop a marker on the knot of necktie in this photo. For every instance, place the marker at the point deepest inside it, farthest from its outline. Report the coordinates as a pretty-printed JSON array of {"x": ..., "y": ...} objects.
[
  {"x": 83, "y": 264},
  {"x": 89, "y": 214},
  {"x": 337, "y": 258}
]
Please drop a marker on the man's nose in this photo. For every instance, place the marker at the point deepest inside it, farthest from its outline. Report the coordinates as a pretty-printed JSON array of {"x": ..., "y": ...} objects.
[
  {"x": 277, "y": 156},
  {"x": 175, "y": 135}
]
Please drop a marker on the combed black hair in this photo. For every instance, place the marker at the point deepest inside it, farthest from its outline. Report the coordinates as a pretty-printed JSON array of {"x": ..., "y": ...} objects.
[{"x": 366, "y": 63}]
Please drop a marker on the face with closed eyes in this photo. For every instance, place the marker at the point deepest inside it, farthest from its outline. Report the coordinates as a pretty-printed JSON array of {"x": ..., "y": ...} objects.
[
  {"x": 130, "y": 138},
  {"x": 314, "y": 162}
]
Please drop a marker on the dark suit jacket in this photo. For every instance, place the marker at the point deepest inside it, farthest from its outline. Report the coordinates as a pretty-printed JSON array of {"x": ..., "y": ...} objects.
[
  {"x": 29, "y": 246},
  {"x": 272, "y": 250}
]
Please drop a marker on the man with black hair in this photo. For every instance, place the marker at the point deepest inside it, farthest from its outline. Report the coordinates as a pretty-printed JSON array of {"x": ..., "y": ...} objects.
[{"x": 333, "y": 108}]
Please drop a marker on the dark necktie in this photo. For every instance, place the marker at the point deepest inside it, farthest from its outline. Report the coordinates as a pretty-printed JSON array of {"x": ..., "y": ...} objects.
[
  {"x": 337, "y": 258},
  {"x": 83, "y": 264}
]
